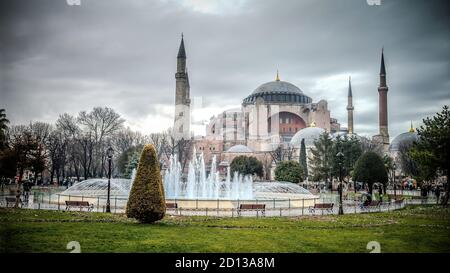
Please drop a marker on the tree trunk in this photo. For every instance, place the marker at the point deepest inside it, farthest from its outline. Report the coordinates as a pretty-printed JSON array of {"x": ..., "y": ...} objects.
[
  {"x": 370, "y": 185},
  {"x": 19, "y": 184},
  {"x": 77, "y": 172},
  {"x": 52, "y": 174},
  {"x": 58, "y": 175}
]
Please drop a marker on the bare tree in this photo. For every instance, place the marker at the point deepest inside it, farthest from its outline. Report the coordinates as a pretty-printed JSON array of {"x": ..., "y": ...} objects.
[
  {"x": 181, "y": 147},
  {"x": 267, "y": 164},
  {"x": 57, "y": 147},
  {"x": 125, "y": 139},
  {"x": 72, "y": 134},
  {"x": 159, "y": 140},
  {"x": 26, "y": 149},
  {"x": 281, "y": 153},
  {"x": 368, "y": 145},
  {"x": 41, "y": 132},
  {"x": 99, "y": 124}
]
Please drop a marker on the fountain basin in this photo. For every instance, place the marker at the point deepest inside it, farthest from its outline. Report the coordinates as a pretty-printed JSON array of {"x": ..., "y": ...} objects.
[{"x": 274, "y": 194}]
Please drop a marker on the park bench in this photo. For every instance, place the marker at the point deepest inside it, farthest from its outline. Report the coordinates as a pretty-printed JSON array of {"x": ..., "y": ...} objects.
[
  {"x": 372, "y": 204},
  {"x": 398, "y": 202},
  {"x": 172, "y": 206},
  {"x": 12, "y": 200},
  {"x": 322, "y": 207},
  {"x": 79, "y": 204},
  {"x": 252, "y": 207}
]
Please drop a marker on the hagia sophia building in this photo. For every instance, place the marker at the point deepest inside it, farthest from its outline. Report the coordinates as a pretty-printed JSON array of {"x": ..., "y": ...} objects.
[{"x": 276, "y": 113}]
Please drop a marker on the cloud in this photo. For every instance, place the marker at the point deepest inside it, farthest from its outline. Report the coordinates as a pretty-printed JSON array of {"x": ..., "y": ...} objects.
[{"x": 58, "y": 58}]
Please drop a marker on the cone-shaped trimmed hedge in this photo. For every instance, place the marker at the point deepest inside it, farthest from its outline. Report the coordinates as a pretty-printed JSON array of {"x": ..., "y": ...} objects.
[{"x": 147, "y": 202}]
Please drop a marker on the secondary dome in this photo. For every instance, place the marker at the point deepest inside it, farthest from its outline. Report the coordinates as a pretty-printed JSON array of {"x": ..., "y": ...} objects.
[
  {"x": 239, "y": 149},
  {"x": 278, "y": 92},
  {"x": 408, "y": 137},
  {"x": 310, "y": 134}
]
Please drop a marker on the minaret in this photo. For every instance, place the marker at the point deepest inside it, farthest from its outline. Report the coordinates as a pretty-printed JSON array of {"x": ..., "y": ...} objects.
[
  {"x": 382, "y": 97},
  {"x": 181, "y": 128},
  {"x": 350, "y": 106}
]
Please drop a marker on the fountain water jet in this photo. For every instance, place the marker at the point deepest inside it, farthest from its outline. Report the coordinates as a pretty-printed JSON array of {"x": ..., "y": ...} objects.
[{"x": 200, "y": 186}]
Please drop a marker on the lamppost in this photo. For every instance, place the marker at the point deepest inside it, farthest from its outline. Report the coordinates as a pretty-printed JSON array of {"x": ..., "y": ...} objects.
[
  {"x": 340, "y": 157},
  {"x": 109, "y": 154},
  {"x": 394, "y": 167}
]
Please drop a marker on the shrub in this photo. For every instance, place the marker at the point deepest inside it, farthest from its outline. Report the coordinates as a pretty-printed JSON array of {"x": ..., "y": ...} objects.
[
  {"x": 146, "y": 202},
  {"x": 290, "y": 171},
  {"x": 247, "y": 165}
]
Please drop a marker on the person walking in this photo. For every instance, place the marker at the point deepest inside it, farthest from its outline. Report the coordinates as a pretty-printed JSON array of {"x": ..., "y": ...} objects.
[
  {"x": 380, "y": 193},
  {"x": 438, "y": 193}
]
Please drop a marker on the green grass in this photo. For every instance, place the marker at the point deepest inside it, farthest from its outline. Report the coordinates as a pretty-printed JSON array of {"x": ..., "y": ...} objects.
[{"x": 413, "y": 229}]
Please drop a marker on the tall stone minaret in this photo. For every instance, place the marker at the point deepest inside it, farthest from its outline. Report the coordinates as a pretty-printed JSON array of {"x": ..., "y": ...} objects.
[
  {"x": 383, "y": 110},
  {"x": 350, "y": 106},
  {"x": 181, "y": 128}
]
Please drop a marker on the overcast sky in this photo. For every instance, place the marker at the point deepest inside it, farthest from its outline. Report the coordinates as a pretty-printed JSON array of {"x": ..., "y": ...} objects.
[{"x": 58, "y": 58}]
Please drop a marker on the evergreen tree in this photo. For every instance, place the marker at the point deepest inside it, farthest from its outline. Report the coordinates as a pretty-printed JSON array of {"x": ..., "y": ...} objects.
[
  {"x": 133, "y": 162},
  {"x": 352, "y": 150},
  {"x": 351, "y": 147},
  {"x": 370, "y": 169},
  {"x": 431, "y": 151},
  {"x": 338, "y": 146},
  {"x": 321, "y": 161},
  {"x": 147, "y": 202},
  {"x": 303, "y": 161}
]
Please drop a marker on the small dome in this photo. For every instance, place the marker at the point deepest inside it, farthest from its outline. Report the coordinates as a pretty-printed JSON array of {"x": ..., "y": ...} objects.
[
  {"x": 239, "y": 149},
  {"x": 310, "y": 135},
  {"x": 409, "y": 137}
]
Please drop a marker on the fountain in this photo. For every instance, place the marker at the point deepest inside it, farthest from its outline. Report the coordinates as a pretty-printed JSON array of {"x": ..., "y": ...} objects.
[
  {"x": 198, "y": 190},
  {"x": 200, "y": 186}
]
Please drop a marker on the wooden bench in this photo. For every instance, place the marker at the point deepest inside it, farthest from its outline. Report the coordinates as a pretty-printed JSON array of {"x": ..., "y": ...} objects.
[
  {"x": 172, "y": 206},
  {"x": 322, "y": 207},
  {"x": 80, "y": 204},
  {"x": 12, "y": 200},
  {"x": 372, "y": 204},
  {"x": 398, "y": 202},
  {"x": 252, "y": 207}
]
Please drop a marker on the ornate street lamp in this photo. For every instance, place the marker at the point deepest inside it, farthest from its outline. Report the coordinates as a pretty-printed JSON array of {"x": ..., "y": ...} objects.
[
  {"x": 109, "y": 154},
  {"x": 340, "y": 157}
]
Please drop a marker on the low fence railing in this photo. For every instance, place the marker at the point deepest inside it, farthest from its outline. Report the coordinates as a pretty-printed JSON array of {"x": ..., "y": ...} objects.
[{"x": 223, "y": 208}]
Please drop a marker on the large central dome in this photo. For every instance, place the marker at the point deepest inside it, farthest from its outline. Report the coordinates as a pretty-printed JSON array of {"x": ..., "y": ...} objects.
[
  {"x": 278, "y": 92},
  {"x": 277, "y": 86}
]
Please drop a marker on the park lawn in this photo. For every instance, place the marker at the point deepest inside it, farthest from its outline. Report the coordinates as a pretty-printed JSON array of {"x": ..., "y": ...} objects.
[{"x": 413, "y": 229}]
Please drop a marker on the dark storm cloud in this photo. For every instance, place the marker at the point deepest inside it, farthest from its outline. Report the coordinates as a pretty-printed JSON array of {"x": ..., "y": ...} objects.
[{"x": 57, "y": 58}]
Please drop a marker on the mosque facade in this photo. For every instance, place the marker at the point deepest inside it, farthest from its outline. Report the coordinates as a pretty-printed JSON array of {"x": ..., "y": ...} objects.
[{"x": 277, "y": 113}]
